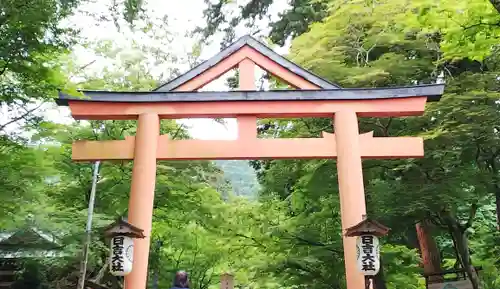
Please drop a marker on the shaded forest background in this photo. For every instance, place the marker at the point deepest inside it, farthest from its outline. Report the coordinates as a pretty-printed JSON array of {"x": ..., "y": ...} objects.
[{"x": 284, "y": 232}]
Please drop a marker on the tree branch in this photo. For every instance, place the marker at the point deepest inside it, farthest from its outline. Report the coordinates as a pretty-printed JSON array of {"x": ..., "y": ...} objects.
[
  {"x": 23, "y": 116},
  {"x": 437, "y": 220},
  {"x": 378, "y": 166},
  {"x": 313, "y": 243},
  {"x": 253, "y": 239},
  {"x": 458, "y": 257},
  {"x": 178, "y": 261},
  {"x": 473, "y": 210},
  {"x": 296, "y": 265},
  {"x": 101, "y": 273},
  {"x": 5, "y": 67},
  {"x": 96, "y": 137},
  {"x": 478, "y": 154},
  {"x": 483, "y": 23},
  {"x": 493, "y": 165},
  {"x": 177, "y": 131}
]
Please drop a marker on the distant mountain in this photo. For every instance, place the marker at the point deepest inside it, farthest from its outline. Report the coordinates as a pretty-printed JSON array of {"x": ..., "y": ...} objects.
[{"x": 242, "y": 178}]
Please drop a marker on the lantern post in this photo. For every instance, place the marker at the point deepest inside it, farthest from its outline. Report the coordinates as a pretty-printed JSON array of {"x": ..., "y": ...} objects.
[
  {"x": 227, "y": 281},
  {"x": 367, "y": 246},
  {"x": 122, "y": 235}
]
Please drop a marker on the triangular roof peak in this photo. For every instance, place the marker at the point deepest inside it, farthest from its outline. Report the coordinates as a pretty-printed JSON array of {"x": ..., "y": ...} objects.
[
  {"x": 122, "y": 227},
  {"x": 27, "y": 236},
  {"x": 367, "y": 226},
  {"x": 246, "y": 47}
]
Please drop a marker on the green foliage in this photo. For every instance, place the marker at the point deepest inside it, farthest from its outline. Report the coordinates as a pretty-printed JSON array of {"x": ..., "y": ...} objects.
[
  {"x": 465, "y": 29},
  {"x": 31, "y": 277},
  {"x": 31, "y": 40},
  {"x": 31, "y": 43},
  {"x": 22, "y": 176},
  {"x": 401, "y": 265},
  {"x": 294, "y": 21}
]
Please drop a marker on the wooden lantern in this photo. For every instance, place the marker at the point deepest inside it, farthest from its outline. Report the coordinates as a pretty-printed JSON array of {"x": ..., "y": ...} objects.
[
  {"x": 367, "y": 245},
  {"x": 122, "y": 236}
]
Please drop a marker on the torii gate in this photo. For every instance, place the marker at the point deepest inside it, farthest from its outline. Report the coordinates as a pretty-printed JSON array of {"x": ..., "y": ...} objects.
[{"x": 317, "y": 98}]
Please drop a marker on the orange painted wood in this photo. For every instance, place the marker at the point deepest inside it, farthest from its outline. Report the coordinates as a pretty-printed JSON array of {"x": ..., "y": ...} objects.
[
  {"x": 431, "y": 259},
  {"x": 230, "y": 62},
  {"x": 351, "y": 187},
  {"x": 247, "y": 124},
  {"x": 263, "y": 109},
  {"x": 302, "y": 148},
  {"x": 279, "y": 71},
  {"x": 142, "y": 191},
  {"x": 216, "y": 71},
  {"x": 116, "y": 149},
  {"x": 246, "y": 79},
  {"x": 247, "y": 127}
]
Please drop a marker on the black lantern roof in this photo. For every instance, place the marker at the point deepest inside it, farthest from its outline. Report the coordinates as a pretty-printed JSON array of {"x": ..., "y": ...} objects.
[
  {"x": 367, "y": 227},
  {"x": 123, "y": 228}
]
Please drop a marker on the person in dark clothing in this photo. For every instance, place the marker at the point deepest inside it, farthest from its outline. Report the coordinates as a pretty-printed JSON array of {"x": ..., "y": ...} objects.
[{"x": 181, "y": 280}]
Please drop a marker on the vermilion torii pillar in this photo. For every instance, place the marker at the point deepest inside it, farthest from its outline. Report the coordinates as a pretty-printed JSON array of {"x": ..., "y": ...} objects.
[{"x": 318, "y": 98}]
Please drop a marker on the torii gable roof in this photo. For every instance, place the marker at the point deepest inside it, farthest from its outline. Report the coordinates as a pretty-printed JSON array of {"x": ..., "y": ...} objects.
[
  {"x": 247, "y": 41},
  {"x": 184, "y": 88},
  {"x": 29, "y": 236}
]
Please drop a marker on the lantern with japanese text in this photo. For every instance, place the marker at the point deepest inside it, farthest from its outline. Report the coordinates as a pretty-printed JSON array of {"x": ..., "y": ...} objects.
[
  {"x": 368, "y": 254},
  {"x": 122, "y": 236},
  {"x": 367, "y": 245}
]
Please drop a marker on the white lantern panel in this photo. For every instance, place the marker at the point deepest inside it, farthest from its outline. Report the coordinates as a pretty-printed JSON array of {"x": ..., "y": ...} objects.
[
  {"x": 122, "y": 255},
  {"x": 368, "y": 254}
]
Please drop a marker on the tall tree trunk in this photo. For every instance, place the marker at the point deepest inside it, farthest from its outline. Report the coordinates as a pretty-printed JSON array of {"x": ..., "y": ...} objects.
[
  {"x": 431, "y": 260},
  {"x": 379, "y": 279},
  {"x": 495, "y": 172},
  {"x": 462, "y": 245},
  {"x": 459, "y": 233},
  {"x": 496, "y": 4},
  {"x": 497, "y": 200}
]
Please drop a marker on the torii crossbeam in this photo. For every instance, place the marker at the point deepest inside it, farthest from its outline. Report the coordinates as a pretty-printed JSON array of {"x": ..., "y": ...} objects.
[{"x": 319, "y": 98}]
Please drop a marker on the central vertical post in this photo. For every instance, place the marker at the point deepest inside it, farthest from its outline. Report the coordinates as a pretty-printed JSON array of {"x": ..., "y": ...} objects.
[
  {"x": 140, "y": 209},
  {"x": 352, "y": 195},
  {"x": 247, "y": 125}
]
